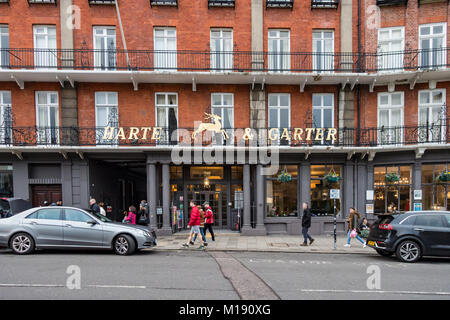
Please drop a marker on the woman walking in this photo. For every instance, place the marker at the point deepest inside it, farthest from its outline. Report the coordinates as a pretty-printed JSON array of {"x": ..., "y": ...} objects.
[{"x": 352, "y": 225}]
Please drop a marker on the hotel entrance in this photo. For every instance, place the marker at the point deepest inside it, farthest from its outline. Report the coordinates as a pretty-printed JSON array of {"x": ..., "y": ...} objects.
[{"x": 221, "y": 186}]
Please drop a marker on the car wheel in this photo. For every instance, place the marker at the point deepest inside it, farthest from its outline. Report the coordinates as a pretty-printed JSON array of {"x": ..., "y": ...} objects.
[
  {"x": 409, "y": 251},
  {"x": 384, "y": 253},
  {"x": 124, "y": 245},
  {"x": 22, "y": 243}
]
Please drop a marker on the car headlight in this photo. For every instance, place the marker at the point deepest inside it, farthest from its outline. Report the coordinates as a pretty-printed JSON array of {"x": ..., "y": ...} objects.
[{"x": 144, "y": 233}]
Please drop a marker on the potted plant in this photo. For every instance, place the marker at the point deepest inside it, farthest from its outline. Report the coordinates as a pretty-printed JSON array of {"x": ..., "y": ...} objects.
[
  {"x": 331, "y": 176},
  {"x": 444, "y": 176},
  {"x": 392, "y": 177},
  {"x": 284, "y": 176}
]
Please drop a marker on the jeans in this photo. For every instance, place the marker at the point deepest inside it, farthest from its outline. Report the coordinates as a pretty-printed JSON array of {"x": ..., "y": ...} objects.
[
  {"x": 306, "y": 236},
  {"x": 202, "y": 232},
  {"x": 349, "y": 238}
]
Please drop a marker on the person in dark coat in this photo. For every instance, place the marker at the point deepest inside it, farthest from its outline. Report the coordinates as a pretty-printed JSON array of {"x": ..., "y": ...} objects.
[
  {"x": 306, "y": 224},
  {"x": 94, "y": 206}
]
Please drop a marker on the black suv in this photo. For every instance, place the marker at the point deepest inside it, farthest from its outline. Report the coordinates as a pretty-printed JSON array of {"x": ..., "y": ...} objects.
[{"x": 411, "y": 235}]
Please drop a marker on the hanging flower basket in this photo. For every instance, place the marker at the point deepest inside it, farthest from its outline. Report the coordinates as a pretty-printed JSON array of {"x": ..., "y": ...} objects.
[
  {"x": 284, "y": 176},
  {"x": 444, "y": 176},
  {"x": 392, "y": 177},
  {"x": 331, "y": 177}
]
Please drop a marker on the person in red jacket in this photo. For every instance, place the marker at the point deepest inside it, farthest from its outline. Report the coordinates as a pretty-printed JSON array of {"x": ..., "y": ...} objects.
[
  {"x": 209, "y": 220},
  {"x": 194, "y": 224}
]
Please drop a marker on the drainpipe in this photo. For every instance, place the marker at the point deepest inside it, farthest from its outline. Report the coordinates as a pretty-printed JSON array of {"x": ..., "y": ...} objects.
[
  {"x": 121, "y": 32},
  {"x": 358, "y": 98}
]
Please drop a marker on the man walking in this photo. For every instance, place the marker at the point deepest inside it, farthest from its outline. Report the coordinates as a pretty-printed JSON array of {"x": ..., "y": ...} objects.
[
  {"x": 209, "y": 220},
  {"x": 306, "y": 224},
  {"x": 194, "y": 224},
  {"x": 94, "y": 206}
]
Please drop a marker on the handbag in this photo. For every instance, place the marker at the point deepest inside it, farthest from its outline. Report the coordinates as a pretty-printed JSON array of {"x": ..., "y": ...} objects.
[
  {"x": 353, "y": 234},
  {"x": 143, "y": 219}
]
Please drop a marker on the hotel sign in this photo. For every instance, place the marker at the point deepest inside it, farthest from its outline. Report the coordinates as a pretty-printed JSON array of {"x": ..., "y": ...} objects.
[{"x": 215, "y": 127}]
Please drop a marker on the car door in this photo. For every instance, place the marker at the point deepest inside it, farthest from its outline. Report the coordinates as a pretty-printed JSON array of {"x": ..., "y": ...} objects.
[
  {"x": 79, "y": 232},
  {"x": 446, "y": 244},
  {"x": 432, "y": 229},
  {"x": 46, "y": 226}
]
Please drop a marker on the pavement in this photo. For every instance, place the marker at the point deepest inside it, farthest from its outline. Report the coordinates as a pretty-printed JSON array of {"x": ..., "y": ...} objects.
[{"x": 233, "y": 241}]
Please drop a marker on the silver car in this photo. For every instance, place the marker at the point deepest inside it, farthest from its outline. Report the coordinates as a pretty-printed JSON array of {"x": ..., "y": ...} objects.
[{"x": 67, "y": 227}]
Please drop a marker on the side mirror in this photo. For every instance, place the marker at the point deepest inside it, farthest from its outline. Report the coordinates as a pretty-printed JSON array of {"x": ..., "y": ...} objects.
[{"x": 92, "y": 222}]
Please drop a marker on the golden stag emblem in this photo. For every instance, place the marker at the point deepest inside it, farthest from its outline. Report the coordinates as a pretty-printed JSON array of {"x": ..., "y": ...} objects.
[{"x": 215, "y": 126}]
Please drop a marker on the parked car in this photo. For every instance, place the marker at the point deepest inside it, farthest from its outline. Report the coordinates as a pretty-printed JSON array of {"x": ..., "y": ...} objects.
[
  {"x": 67, "y": 227},
  {"x": 411, "y": 235},
  {"x": 12, "y": 206}
]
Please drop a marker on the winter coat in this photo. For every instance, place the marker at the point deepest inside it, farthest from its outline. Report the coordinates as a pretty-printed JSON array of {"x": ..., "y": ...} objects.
[
  {"x": 306, "y": 219},
  {"x": 195, "y": 217},
  {"x": 209, "y": 216},
  {"x": 131, "y": 217}
]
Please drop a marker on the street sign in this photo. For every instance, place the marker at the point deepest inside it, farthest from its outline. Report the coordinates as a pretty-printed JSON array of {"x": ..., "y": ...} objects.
[{"x": 335, "y": 194}]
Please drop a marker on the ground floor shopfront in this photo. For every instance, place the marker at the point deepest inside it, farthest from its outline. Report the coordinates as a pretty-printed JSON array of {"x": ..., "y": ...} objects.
[{"x": 242, "y": 198}]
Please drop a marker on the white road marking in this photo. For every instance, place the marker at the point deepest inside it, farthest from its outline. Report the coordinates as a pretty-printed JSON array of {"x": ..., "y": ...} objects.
[
  {"x": 28, "y": 285},
  {"x": 378, "y": 291}
]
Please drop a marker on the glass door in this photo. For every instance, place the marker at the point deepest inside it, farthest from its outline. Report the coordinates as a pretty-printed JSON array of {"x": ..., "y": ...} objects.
[
  {"x": 45, "y": 55},
  {"x": 47, "y": 117},
  {"x": 221, "y": 50},
  {"x": 279, "y": 50},
  {"x": 323, "y": 50},
  {"x": 104, "y": 48}
]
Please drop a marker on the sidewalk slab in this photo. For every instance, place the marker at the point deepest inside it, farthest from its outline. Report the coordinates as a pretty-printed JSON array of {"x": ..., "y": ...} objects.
[{"x": 275, "y": 243}]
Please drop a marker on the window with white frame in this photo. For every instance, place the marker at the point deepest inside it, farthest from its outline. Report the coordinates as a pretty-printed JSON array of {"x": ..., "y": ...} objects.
[
  {"x": 390, "y": 117},
  {"x": 47, "y": 110},
  {"x": 390, "y": 48},
  {"x": 167, "y": 116},
  {"x": 279, "y": 50},
  {"x": 105, "y": 48},
  {"x": 106, "y": 115},
  {"x": 279, "y": 114},
  {"x": 221, "y": 49},
  {"x": 5, "y": 117},
  {"x": 323, "y": 50},
  {"x": 323, "y": 112},
  {"x": 222, "y": 105},
  {"x": 4, "y": 46},
  {"x": 165, "y": 48},
  {"x": 432, "y": 115},
  {"x": 432, "y": 44},
  {"x": 45, "y": 53}
]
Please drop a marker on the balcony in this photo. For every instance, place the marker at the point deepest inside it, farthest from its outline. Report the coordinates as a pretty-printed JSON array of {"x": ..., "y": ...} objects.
[
  {"x": 170, "y": 3},
  {"x": 222, "y": 61},
  {"x": 324, "y": 4},
  {"x": 221, "y": 3},
  {"x": 382, "y": 3},
  {"x": 43, "y": 2},
  {"x": 376, "y": 137},
  {"x": 280, "y": 4},
  {"x": 107, "y": 2},
  {"x": 421, "y": 2}
]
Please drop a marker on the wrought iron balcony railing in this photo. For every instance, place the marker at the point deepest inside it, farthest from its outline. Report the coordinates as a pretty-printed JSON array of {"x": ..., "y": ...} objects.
[
  {"x": 279, "y": 4},
  {"x": 221, "y": 3},
  {"x": 324, "y": 3},
  {"x": 222, "y": 61},
  {"x": 152, "y": 137},
  {"x": 391, "y": 2}
]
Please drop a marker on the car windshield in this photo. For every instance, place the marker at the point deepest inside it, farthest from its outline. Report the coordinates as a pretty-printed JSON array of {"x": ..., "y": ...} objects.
[
  {"x": 4, "y": 204},
  {"x": 100, "y": 217}
]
